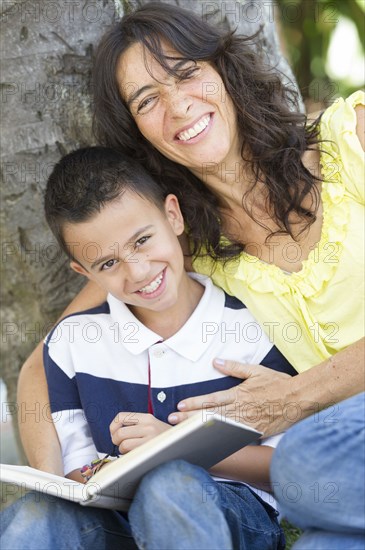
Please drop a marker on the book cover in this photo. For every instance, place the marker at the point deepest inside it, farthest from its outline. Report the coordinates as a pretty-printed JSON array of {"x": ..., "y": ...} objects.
[{"x": 203, "y": 439}]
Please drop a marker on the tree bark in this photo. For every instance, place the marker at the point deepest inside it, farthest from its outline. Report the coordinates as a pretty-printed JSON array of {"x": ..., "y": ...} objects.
[{"x": 46, "y": 112}]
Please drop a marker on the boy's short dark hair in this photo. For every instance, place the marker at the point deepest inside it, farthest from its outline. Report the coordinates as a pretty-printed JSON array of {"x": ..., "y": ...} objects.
[{"x": 84, "y": 181}]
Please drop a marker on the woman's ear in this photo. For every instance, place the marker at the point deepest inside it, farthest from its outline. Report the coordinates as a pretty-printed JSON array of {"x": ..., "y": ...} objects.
[{"x": 174, "y": 215}]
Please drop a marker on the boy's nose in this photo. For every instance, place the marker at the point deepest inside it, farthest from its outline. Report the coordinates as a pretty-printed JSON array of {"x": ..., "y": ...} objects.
[{"x": 137, "y": 270}]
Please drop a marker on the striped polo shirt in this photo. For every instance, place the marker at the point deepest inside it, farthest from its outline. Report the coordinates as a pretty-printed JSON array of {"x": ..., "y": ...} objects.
[{"x": 104, "y": 360}]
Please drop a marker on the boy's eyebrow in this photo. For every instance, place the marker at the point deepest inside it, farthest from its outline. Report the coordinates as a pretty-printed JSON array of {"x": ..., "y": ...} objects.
[
  {"x": 138, "y": 233},
  {"x": 140, "y": 91},
  {"x": 110, "y": 256}
]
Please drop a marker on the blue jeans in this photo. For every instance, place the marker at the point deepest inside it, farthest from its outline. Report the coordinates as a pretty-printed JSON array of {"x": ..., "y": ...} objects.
[
  {"x": 177, "y": 506},
  {"x": 318, "y": 473}
]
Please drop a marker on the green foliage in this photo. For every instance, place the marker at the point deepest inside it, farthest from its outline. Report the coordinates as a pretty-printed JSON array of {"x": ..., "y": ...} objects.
[
  {"x": 292, "y": 534},
  {"x": 307, "y": 27}
]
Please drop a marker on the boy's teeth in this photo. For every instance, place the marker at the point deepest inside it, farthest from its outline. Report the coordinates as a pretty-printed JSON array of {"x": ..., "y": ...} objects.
[
  {"x": 148, "y": 289},
  {"x": 195, "y": 130}
]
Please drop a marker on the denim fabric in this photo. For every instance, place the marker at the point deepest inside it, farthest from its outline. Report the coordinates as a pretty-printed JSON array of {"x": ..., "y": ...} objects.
[
  {"x": 42, "y": 522},
  {"x": 200, "y": 514},
  {"x": 318, "y": 473},
  {"x": 252, "y": 521},
  {"x": 177, "y": 506},
  {"x": 314, "y": 539}
]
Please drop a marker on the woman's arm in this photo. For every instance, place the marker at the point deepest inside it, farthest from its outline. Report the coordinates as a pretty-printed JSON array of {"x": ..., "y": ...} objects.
[
  {"x": 37, "y": 432},
  {"x": 250, "y": 464},
  {"x": 271, "y": 402},
  {"x": 75, "y": 475}
]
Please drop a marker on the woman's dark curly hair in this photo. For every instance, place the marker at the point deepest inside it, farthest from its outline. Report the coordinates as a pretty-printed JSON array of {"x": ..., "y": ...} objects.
[{"x": 274, "y": 136}]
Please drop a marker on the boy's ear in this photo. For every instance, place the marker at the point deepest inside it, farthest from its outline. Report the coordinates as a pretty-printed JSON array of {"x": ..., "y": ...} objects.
[
  {"x": 79, "y": 269},
  {"x": 174, "y": 215}
]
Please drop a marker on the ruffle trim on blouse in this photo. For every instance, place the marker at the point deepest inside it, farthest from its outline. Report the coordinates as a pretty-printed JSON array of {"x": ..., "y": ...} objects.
[{"x": 321, "y": 263}]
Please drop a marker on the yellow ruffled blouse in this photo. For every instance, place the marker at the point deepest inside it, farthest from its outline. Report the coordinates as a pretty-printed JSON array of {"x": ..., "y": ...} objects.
[{"x": 318, "y": 311}]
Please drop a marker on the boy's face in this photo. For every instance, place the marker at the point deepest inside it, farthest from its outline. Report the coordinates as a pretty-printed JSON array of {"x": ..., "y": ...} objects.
[{"x": 131, "y": 249}]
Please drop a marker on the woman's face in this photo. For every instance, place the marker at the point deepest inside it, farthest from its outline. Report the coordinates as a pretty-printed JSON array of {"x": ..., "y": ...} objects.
[{"x": 191, "y": 121}]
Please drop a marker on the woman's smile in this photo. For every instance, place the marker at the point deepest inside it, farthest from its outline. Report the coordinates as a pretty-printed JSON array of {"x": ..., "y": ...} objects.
[
  {"x": 173, "y": 113},
  {"x": 187, "y": 134}
]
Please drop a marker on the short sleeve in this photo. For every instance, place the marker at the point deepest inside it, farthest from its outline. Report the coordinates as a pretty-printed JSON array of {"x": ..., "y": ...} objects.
[
  {"x": 272, "y": 441},
  {"x": 338, "y": 130}
]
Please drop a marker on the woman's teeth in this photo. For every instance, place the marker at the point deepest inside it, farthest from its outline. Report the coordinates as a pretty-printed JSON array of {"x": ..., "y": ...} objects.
[
  {"x": 148, "y": 289},
  {"x": 195, "y": 130}
]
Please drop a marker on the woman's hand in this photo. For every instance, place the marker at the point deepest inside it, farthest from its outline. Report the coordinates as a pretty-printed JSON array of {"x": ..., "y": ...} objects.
[
  {"x": 272, "y": 401},
  {"x": 263, "y": 400},
  {"x": 129, "y": 430}
]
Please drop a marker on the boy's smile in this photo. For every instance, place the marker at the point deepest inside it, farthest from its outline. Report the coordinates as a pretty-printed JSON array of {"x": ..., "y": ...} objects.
[
  {"x": 154, "y": 288},
  {"x": 131, "y": 249}
]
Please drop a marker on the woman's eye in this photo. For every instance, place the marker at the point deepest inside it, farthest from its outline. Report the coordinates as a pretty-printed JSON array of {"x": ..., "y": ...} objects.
[
  {"x": 108, "y": 265},
  {"x": 143, "y": 106},
  {"x": 190, "y": 72},
  {"x": 141, "y": 241}
]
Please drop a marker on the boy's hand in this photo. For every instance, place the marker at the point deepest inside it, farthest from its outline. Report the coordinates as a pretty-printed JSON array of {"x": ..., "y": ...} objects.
[{"x": 130, "y": 430}]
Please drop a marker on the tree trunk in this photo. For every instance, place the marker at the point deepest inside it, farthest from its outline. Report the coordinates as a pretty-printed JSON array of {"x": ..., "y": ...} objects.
[{"x": 47, "y": 49}]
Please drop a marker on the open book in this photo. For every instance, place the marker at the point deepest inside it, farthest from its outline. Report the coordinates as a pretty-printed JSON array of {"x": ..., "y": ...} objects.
[{"x": 203, "y": 439}]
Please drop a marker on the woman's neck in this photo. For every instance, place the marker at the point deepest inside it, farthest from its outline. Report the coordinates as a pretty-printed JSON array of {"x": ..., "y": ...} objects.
[{"x": 229, "y": 181}]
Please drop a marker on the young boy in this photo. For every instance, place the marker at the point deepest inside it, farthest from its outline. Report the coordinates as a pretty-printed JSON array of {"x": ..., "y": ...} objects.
[{"x": 116, "y": 372}]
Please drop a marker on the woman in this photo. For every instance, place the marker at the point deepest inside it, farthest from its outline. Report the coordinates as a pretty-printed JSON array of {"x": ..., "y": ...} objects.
[
  {"x": 291, "y": 206},
  {"x": 200, "y": 110}
]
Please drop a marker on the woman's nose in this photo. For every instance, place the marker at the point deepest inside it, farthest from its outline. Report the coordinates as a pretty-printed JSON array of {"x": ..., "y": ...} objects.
[{"x": 178, "y": 102}]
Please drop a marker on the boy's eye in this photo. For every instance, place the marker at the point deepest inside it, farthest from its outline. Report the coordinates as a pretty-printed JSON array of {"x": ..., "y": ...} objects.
[
  {"x": 108, "y": 264},
  {"x": 141, "y": 241}
]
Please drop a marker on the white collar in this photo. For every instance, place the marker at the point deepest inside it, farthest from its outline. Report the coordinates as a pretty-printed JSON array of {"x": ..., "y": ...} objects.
[{"x": 188, "y": 341}]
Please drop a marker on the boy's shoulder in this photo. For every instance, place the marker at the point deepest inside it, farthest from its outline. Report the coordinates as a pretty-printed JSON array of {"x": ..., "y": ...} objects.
[
  {"x": 230, "y": 302},
  {"x": 102, "y": 308},
  {"x": 76, "y": 319}
]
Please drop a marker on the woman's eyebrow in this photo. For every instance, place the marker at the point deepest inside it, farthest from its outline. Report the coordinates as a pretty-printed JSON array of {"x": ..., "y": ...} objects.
[
  {"x": 137, "y": 93},
  {"x": 181, "y": 63}
]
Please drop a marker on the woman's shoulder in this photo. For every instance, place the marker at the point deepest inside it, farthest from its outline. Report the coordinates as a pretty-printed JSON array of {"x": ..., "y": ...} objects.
[
  {"x": 342, "y": 114},
  {"x": 344, "y": 108},
  {"x": 341, "y": 128}
]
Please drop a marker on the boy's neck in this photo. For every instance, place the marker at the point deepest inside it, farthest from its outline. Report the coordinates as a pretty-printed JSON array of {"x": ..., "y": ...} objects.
[{"x": 168, "y": 322}]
